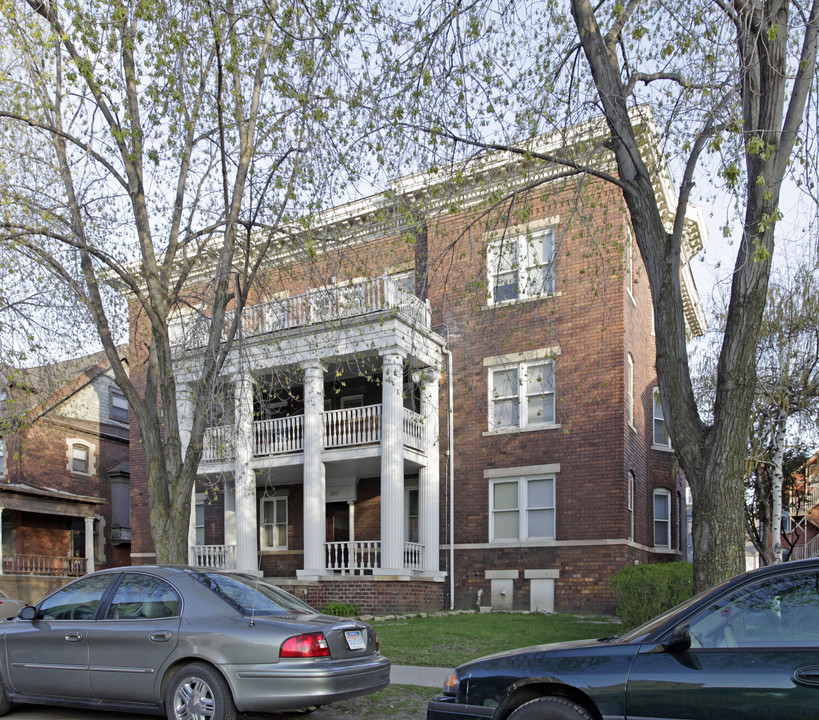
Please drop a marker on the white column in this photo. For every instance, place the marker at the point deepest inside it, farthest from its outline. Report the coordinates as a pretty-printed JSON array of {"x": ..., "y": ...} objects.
[
  {"x": 247, "y": 544},
  {"x": 89, "y": 544},
  {"x": 314, "y": 485},
  {"x": 429, "y": 476},
  {"x": 192, "y": 528},
  {"x": 392, "y": 466},
  {"x": 184, "y": 410}
]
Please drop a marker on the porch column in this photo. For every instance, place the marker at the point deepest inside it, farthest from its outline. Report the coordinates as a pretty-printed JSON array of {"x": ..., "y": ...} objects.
[
  {"x": 315, "y": 533},
  {"x": 192, "y": 560},
  {"x": 89, "y": 544},
  {"x": 429, "y": 476},
  {"x": 247, "y": 544},
  {"x": 392, "y": 465}
]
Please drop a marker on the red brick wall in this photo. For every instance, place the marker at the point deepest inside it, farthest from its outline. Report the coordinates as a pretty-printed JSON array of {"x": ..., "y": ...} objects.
[{"x": 373, "y": 596}]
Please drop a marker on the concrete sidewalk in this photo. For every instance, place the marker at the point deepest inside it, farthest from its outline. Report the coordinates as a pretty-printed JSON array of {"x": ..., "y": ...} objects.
[{"x": 433, "y": 677}]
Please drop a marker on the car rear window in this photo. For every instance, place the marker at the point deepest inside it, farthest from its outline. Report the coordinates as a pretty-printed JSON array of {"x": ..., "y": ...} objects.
[{"x": 253, "y": 596}]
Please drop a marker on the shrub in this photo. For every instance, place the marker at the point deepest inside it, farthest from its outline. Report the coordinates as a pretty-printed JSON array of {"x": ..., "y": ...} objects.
[
  {"x": 341, "y": 609},
  {"x": 645, "y": 590}
]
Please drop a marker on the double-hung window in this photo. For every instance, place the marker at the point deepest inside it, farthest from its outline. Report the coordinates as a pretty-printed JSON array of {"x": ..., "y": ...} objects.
[
  {"x": 661, "y": 437},
  {"x": 522, "y": 508},
  {"x": 520, "y": 264},
  {"x": 274, "y": 523},
  {"x": 522, "y": 395},
  {"x": 662, "y": 518}
]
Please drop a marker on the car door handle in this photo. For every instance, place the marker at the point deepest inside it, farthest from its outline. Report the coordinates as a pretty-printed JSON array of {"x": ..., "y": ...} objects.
[
  {"x": 73, "y": 637},
  {"x": 807, "y": 675},
  {"x": 162, "y": 636}
]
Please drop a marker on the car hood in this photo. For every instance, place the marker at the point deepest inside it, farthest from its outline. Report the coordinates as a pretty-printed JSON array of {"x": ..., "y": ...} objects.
[{"x": 551, "y": 648}]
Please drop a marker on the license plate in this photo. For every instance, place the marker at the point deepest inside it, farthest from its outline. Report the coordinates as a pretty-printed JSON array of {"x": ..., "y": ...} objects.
[{"x": 355, "y": 639}]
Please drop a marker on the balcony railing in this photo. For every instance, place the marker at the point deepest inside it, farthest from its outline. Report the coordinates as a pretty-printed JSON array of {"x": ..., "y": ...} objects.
[
  {"x": 342, "y": 428},
  {"x": 352, "y": 426},
  {"x": 44, "y": 565},
  {"x": 277, "y": 436},
  {"x": 221, "y": 557},
  {"x": 805, "y": 502},
  {"x": 315, "y": 306},
  {"x": 805, "y": 550},
  {"x": 413, "y": 556}
]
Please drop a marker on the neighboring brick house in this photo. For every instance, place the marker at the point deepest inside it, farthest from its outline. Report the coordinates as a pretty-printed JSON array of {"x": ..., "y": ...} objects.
[
  {"x": 456, "y": 399},
  {"x": 801, "y": 517},
  {"x": 65, "y": 490}
]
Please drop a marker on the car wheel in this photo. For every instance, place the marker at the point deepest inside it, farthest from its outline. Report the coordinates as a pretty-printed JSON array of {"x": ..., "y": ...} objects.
[
  {"x": 5, "y": 705},
  {"x": 550, "y": 708},
  {"x": 198, "y": 692}
]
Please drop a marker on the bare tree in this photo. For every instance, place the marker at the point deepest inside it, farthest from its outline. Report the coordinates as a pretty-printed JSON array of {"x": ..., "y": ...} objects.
[{"x": 159, "y": 153}]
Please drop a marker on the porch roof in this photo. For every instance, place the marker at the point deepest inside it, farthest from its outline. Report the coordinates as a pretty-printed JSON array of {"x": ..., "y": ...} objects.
[{"x": 49, "y": 501}]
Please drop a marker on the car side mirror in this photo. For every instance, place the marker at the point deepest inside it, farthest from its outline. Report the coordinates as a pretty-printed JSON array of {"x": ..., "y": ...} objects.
[
  {"x": 29, "y": 612},
  {"x": 680, "y": 639}
]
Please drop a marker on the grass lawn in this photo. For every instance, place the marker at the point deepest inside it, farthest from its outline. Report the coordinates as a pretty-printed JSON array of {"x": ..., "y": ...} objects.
[{"x": 451, "y": 640}]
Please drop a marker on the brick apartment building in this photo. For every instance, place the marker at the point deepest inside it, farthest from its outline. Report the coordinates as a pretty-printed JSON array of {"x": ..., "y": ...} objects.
[
  {"x": 454, "y": 404},
  {"x": 64, "y": 476}
]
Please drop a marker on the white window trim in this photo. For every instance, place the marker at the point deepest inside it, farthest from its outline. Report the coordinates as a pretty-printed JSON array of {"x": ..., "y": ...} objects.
[
  {"x": 522, "y": 397},
  {"x": 92, "y": 457},
  {"x": 666, "y": 494},
  {"x": 654, "y": 444},
  {"x": 199, "y": 501},
  {"x": 262, "y": 542},
  {"x": 522, "y": 508},
  {"x": 2, "y": 457},
  {"x": 115, "y": 392},
  {"x": 629, "y": 270},
  {"x": 631, "y": 480},
  {"x": 521, "y": 235}
]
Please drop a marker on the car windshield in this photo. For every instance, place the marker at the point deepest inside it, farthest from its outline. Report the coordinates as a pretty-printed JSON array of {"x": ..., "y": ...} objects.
[{"x": 252, "y": 596}]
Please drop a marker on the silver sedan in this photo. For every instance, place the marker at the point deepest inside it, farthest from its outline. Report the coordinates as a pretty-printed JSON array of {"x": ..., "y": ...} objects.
[{"x": 190, "y": 643}]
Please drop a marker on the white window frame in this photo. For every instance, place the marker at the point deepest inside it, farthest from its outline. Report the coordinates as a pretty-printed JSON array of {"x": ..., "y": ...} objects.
[
  {"x": 665, "y": 496},
  {"x": 2, "y": 457},
  {"x": 521, "y": 399},
  {"x": 664, "y": 441},
  {"x": 90, "y": 453},
  {"x": 408, "y": 517},
  {"x": 522, "y": 242},
  {"x": 630, "y": 503},
  {"x": 523, "y": 508},
  {"x": 199, "y": 527},
  {"x": 281, "y": 545},
  {"x": 629, "y": 279}
]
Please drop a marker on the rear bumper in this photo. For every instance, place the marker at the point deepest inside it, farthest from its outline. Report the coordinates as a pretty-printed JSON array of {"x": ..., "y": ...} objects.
[
  {"x": 444, "y": 707},
  {"x": 294, "y": 684}
]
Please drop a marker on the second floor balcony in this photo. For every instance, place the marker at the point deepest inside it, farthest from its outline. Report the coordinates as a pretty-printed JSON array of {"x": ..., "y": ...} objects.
[{"x": 348, "y": 427}]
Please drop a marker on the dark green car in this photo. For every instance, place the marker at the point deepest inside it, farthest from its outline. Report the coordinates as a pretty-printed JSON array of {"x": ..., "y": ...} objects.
[{"x": 748, "y": 648}]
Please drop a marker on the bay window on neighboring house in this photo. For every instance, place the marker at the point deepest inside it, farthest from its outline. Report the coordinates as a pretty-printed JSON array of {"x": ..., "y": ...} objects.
[
  {"x": 522, "y": 395},
  {"x": 661, "y": 437},
  {"x": 274, "y": 523},
  {"x": 662, "y": 518},
  {"x": 522, "y": 508},
  {"x": 520, "y": 262}
]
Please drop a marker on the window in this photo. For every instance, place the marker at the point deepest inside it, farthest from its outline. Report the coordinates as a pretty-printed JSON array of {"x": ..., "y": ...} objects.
[
  {"x": 411, "y": 515},
  {"x": 200, "y": 519},
  {"x": 140, "y": 596},
  {"x": 630, "y": 505},
  {"x": 629, "y": 269},
  {"x": 662, "y": 518},
  {"x": 781, "y": 611},
  {"x": 274, "y": 523},
  {"x": 80, "y": 457},
  {"x": 630, "y": 389},
  {"x": 522, "y": 509},
  {"x": 522, "y": 395},
  {"x": 77, "y": 601},
  {"x": 661, "y": 436},
  {"x": 2, "y": 457},
  {"x": 521, "y": 265},
  {"x": 118, "y": 409}
]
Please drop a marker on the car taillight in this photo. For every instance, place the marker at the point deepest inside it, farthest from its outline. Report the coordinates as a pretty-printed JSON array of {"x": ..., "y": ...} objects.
[
  {"x": 375, "y": 637},
  {"x": 301, "y": 646},
  {"x": 451, "y": 684}
]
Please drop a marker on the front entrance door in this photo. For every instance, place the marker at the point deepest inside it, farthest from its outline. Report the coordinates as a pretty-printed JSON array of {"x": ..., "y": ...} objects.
[{"x": 338, "y": 536}]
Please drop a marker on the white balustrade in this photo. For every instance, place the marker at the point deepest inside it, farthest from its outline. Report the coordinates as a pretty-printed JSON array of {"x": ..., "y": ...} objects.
[
  {"x": 279, "y": 435},
  {"x": 413, "y": 556},
  {"x": 52, "y": 565},
  {"x": 413, "y": 430},
  {"x": 220, "y": 557},
  {"x": 353, "y": 557},
  {"x": 217, "y": 444},
  {"x": 352, "y": 426},
  {"x": 326, "y": 305}
]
